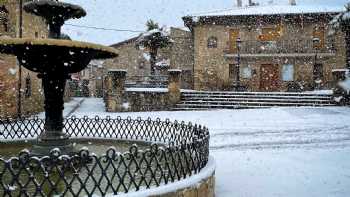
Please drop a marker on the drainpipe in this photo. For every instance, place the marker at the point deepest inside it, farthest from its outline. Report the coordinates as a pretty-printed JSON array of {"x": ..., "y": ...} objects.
[
  {"x": 239, "y": 3},
  {"x": 292, "y": 2},
  {"x": 250, "y": 3}
]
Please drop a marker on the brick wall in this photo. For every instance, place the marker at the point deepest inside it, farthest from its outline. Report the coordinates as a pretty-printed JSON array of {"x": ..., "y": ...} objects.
[{"x": 32, "y": 27}]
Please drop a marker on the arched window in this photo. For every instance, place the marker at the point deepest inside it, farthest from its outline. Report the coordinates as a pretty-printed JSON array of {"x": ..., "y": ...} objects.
[
  {"x": 4, "y": 14},
  {"x": 212, "y": 42}
]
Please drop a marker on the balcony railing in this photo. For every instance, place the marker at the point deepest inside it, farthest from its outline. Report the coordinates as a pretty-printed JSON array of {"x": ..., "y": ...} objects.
[{"x": 281, "y": 47}]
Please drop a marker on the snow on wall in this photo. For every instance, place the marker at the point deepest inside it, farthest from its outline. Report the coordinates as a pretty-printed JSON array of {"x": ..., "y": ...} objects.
[{"x": 272, "y": 10}]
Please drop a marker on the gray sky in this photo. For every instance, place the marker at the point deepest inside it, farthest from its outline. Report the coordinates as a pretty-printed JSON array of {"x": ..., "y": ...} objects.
[{"x": 133, "y": 14}]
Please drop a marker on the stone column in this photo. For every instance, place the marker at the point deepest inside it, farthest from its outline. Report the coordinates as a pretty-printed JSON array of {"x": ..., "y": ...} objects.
[
  {"x": 174, "y": 86},
  {"x": 115, "y": 90}
]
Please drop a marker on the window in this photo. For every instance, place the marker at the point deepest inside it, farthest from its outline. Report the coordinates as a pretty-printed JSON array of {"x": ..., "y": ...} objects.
[
  {"x": 246, "y": 72},
  {"x": 233, "y": 36},
  {"x": 319, "y": 32},
  {"x": 234, "y": 72},
  {"x": 4, "y": 18},
  {"x": 288, "y": 72},
  {"x": 270, "y": 33},
  {"x": 28, "y": 87},
  {"x": 212, "y": 42}
]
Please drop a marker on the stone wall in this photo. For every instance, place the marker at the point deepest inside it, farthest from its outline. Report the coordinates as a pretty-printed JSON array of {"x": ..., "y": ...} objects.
[
  {"x": 211, "y": 65},
  {"x": 196, "y": 185},
  {"x": 136, "y": 62},
  {"x": 205, "y": 188},
  {"x": 120, "y": 99},
  {"x": 145, "y": 100},
  {"x": 31, "y": 103},
  {"x": 181, "y": 56}
]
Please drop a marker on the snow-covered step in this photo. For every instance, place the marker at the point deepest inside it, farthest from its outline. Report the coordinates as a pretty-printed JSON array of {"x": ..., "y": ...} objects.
[
  {"x": 255, "y": 96},
  {"x": 239, "y": 100},
  {"x": 300, "y": 100},
  {"x": 252, "y": 103},
  {"x": 257, "y": 93}
]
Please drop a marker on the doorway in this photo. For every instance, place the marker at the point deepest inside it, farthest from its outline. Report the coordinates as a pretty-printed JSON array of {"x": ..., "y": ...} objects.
[{"x": 269, "y": 77}]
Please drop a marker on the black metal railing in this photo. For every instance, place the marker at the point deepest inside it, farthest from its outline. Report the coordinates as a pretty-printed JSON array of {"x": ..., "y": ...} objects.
[
  {"x": 178, "y": 151},
  {"x": 147, "y": 81},
  {"x": 281, "y": 46}
]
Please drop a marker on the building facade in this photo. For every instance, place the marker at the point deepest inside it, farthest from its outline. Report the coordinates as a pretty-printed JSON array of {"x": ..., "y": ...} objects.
[
  {"x": 136, "y": 61},
  {"x": 31, "y": 91},
  {"x": 266, "y": 48}
]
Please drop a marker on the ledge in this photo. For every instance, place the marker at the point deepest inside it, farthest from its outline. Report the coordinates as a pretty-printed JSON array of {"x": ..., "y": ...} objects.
[
  {"x": 320, "y": 55},
  {"x": 196, "y": 182},
  {"x": 160, "y": 90}
]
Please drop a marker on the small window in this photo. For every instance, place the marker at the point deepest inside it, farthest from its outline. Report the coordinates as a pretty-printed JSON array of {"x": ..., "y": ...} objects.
[
  {"x": 36, "y": 35},
  {"x": 288, "y": 72},
  {"x": 4, "y": 14},
  {"x": 212, "y": 42},
  {"x": 28, "y": 85},
  {"x": 246, "y": 72}
]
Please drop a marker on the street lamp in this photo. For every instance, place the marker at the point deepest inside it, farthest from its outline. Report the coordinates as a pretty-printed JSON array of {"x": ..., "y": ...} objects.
[
  {"x": 19, "y": 85},
  {"x": 316, "y": 43},
  {"x": 238, "y": 45}
]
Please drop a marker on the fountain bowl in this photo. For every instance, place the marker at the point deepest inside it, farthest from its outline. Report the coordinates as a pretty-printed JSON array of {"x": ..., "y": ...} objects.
[
  {"x": 45, "y": 55},
  {"x": 54, "y": 9}
]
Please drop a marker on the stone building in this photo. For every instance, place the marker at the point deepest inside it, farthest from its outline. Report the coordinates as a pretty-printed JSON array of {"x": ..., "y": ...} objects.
[
  {"x": 93, "y": 74},
  {"x": 177, "y": 56},
  {"x": 31, "y": 94},
  {"x": 266, "y": 48}
]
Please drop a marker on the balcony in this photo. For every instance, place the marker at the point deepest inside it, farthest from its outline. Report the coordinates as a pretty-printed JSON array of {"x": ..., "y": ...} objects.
[{"x": 281, "y": 48}]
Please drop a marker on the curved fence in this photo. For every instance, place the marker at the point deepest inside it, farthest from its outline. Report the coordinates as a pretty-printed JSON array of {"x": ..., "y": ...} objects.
[{"x": 178, "y": 150}]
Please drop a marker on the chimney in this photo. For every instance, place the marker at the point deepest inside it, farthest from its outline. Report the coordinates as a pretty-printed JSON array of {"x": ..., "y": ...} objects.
[
  {"x": 250, "y": 3},
  {"x": 239, "y": 3},
  {"x": 292, "y": 2}
]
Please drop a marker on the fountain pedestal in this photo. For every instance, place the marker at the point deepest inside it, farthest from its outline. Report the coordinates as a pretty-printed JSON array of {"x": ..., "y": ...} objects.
[{"x": 53, "y": 137}]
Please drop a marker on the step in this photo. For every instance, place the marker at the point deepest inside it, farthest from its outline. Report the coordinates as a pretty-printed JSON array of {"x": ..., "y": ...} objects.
[
  {"x": 253, "y": 96},
  {"x": 235, "y": 106},
  {"x": 217, "y": 107},
  {"x": 300, "y": 100},
  {"x": 256, "y": 93},
  {"x": 252, "y": 103}
]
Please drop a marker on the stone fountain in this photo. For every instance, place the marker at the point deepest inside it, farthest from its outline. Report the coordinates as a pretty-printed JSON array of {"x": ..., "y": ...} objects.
[{"x": 54, "y": 60}]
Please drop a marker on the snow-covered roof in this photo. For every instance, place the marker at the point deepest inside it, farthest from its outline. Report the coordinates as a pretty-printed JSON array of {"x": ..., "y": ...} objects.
[{"x": 274, "y": 10}]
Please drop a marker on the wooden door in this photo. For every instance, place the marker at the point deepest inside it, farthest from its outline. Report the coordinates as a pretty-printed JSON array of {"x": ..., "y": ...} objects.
[
  {"x": 269, "y": 77},
  {"x": 234, "y": 34}
]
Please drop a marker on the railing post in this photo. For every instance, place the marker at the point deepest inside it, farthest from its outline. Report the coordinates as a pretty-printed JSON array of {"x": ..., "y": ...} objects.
[
  {"x": 174, "y": 86},
  {"x": 115, "y": 85}
]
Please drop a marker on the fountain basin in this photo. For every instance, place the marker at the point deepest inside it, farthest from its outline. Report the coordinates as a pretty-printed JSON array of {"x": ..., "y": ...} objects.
[
  {"x": 170, "y": 152},
  {"x": 45, "y": 55}
]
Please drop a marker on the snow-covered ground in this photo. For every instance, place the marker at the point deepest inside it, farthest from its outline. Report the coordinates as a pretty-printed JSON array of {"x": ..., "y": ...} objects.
[{"x": 269, "y": 152}]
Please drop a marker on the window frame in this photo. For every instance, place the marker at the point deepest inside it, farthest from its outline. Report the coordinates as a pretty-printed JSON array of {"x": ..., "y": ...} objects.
[
  {"x": 291, "y": 76},
  {"x": 212, "y": 42}
]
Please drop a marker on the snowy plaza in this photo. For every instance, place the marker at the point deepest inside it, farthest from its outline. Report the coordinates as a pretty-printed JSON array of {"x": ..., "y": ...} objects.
[
  {"x": 156, "y": 98},
  {"x": 275, "y": 152}
]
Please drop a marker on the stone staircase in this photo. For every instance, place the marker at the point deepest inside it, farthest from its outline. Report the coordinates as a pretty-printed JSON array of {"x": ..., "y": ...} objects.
[{"x": 205, "y": 100}]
